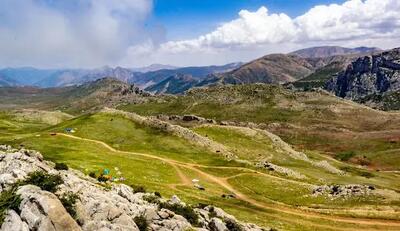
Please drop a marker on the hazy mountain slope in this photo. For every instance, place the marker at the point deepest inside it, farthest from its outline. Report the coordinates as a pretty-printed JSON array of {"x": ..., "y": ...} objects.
[
  {"x": 73, "y": 99},
  {"x": 79, "y": 76},
  {"x": 369, "y": 79},
  {"x": 26, "y": 76},
  {"x": 68, "y": 77},
  {"x": 327, "y": 51},
  {"x": 154, "y": 67},
  {"x": 176, "y": 84},
  {"x": 6, "y": 82},
  {"x": 145, "y": 80}
]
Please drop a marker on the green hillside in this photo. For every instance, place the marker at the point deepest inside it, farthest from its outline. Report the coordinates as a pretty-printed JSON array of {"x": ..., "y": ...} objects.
[{"x": 309, "y": 120}]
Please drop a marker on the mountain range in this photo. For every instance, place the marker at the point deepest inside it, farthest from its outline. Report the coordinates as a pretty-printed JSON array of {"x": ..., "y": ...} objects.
[{"x": 366, "y": 75}]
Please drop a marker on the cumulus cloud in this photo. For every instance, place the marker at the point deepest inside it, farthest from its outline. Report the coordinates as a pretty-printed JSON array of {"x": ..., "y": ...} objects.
[
  {"x": 77, "y": 33},
  {"x": 352, "y": 20}
]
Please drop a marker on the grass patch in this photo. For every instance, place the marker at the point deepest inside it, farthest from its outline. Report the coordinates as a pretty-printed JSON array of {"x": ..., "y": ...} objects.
[
  {"x": 141, "y": 222},
  {"x": 357, "y": 171},
  {"x": 68, "y": 200},
  {"x": 153, "y": 199},
  {"x": 138, "y": 188},
  {"x": 9, "y": 200},
  {"x": 45, "y": 181},
  {"x": 61, "y": 166},
  {"x": 345, "y": 156}
]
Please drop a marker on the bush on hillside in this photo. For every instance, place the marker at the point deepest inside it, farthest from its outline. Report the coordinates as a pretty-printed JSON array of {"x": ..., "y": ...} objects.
[
  {"x": 141, "y": 223},
  {"x": 366, "y": 174},
  {"x": 68, "y": 200},
  {"x": 138, "y": 188},
  {"x": 45, "y": 181},
  {"x": 232, "y": 225},
  {"x": 102, "y": 178},
  {"x": 9, "y": 200},
  {"x": 185, "y": 211},
  {"x": 153, "y": 199},
  {"x": 157, "y": 194},
  {"x": 61, "y": 166},
  {"x": 345, "y": 156},
  {"x": 92, "y": 174}
]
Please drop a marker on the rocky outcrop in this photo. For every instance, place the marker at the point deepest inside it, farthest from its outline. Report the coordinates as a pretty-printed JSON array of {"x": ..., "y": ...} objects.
[
  {"x": 369, "y": 77},
  {"x": 285, "y": 171},
  {"x": 343, "y": 191},
  {"x": 96, "y": 208},
  {"x": 186, "y": 119}
]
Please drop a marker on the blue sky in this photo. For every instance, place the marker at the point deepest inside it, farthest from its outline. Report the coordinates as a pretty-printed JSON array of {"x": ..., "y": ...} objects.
[
  {"x": 181, "y": 16},
  {"x": 132, "y": 33}
]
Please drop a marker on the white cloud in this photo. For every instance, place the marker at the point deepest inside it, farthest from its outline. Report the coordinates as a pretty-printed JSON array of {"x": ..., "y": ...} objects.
[
  {"x": 368, "y": 22},
  {"x": 78, "y": 33},
  {"x": 249, "y": 29}
]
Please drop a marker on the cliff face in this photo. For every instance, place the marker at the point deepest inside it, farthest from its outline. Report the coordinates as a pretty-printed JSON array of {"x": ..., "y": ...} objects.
[
  {"x": 30, "y": 205},
  {"x": 369, "y": 78}
]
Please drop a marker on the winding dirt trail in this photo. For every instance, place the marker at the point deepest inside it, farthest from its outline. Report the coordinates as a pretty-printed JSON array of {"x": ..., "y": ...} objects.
[{"x": 395, "y": 225}]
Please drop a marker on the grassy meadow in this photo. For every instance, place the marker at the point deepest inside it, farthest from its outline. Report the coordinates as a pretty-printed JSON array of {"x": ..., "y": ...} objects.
[{"x": 165, "y": 163}]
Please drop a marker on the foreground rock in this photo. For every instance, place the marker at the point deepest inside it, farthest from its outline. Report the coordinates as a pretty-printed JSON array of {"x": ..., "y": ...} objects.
[{"x": 96, "y": 208}]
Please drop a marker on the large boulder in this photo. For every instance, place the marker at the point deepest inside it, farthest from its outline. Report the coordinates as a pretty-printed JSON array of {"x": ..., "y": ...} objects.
[{"x": 42, "y": 210}]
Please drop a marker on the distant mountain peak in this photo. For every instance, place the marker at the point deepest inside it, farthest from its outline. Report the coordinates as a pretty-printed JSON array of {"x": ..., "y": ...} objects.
[
  {"x": 328, "y": 51},
  {"x": 154, "y": 67}
]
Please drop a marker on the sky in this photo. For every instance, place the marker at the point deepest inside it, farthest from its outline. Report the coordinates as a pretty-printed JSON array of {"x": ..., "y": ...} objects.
[{"x": 133, "y": 33}]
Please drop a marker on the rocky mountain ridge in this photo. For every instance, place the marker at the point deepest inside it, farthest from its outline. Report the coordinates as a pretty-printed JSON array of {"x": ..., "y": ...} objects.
[
  {"x": 95, "y": 206},
  {"x": 370, "y": 79}
]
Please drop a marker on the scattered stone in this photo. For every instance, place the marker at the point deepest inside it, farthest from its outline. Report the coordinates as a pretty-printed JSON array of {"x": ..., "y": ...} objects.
[{"x": 285, "y": 171}]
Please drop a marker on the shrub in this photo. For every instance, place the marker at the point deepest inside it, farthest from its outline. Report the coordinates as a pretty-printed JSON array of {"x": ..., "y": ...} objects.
[
  {"x": 61, "y": 166},
  {"x": 141, "y": 222},
  {"x": 69, "y": 200},
  {"x": 102, "y": 178},
  {"x": 45, "y": 181},
  {"x": 138, "y": 189},
  {"x": 185, "y": 211},
  {"x": 345, "y": 156},
  {"x": 9, "y": 200},
  {"x": 233, "y": 225},
  {"x": 157, "y": 194},
  {"x": 92, "y": 174},
  {"x": 366, "y": 174},
  {"x": 201, "y": 205},
  {"x": 151, "y": 199},
  {"x": 212, "y": 212}
]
